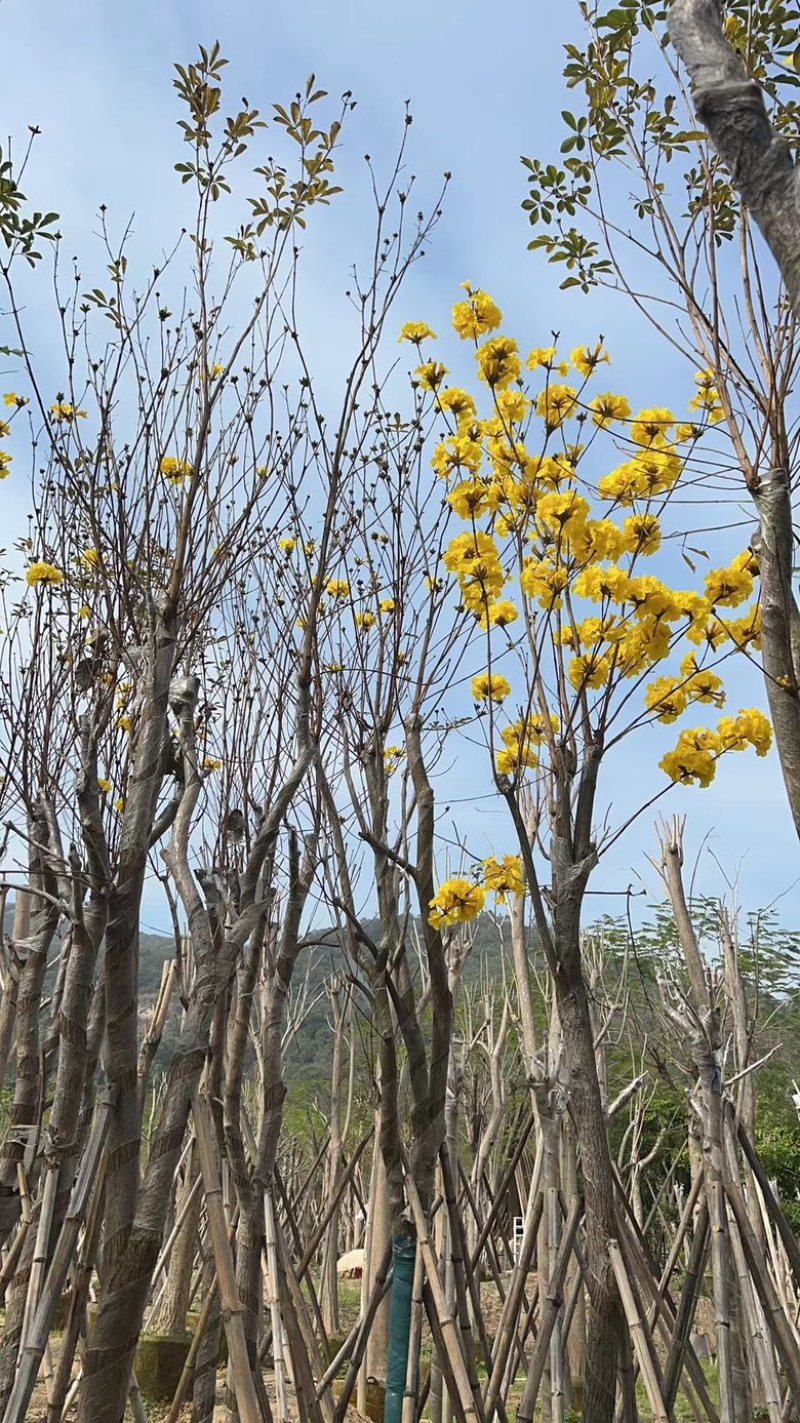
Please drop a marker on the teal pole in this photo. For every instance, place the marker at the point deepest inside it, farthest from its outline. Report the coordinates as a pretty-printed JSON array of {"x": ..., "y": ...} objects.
[{"x": 404, "y": 1250}]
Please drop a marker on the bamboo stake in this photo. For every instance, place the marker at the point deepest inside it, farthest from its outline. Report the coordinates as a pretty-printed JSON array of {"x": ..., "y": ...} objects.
[
  {"x": 552, "y": 1306},
  {"x": 450, "y": 1340},
  {"x": 10, "y": 1263},
  {"x": 379, "y": 1292},
  {"x": 273, "y": 1303},
  {"x": 415, "y": 1342},
  {"x": 777, "y": 1216},
  {"x": 31, "y": 1355},
  {"x": 241, "y": 1373},
  {"x": 686, "y": 1308},
  {"x": 509, "y": 1317},
  {"x": 77, "y": 1305},
  {"x": 638, "y": 1333},
  {"x": 197, "y": 1339},
  {"x": 783, "y": 1335},
  {"x": 39, "y": 1262}
]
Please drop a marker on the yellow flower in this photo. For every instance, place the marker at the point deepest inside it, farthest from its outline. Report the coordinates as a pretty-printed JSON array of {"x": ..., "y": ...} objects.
[
  {"x": 512, "y": 405},
  {"x": 503, "y": 877},
  {"x": 694, "y": 758},
  {"x": 287, "y": 545},
  {"x": 589, "y": 669},
  {"x": 84, "y": 612},
  {"x": 667, "y": 700},
  {"x": 43, "y": 573},
  {"x": 476, "y": 316},
  {"x": 5, "y": 464},
  {"x": 746, "y": 631},
  {"x": 729, "y": 587},
  {"x": 416, "y": 331},
  {"x": 392, "y": 756},
  {"x": 456, "y": 902},
  {"x": 119, "y": 805},
  {"x": 475, "y": 560},
  {"x": 458, "y": 452},
  {"x": 498, "y": 362},
  {"x": 499, "y": 614},
  {"x": 215, "y": 371},
  {"x": 469, "y": 499},
  {"x": 125, "y": 724},
  {"x": 490, "y": 687},
  {"x": 652, "y": 427},
  {"x": 519, "y": 740},
  {"x": 365, "y": 621},
  {"x": 586, "y": 359},
  {"x": 599, "y": 583},
  {"x": 544, "y": 581},
  {"x": 430, "y": 375},
  {"x": 14, "y": 402},
  {"x": 91, "y": 558},
  {"x": 103, "y": 785},
  {"x": 337, "y": 588},
  {"x": 62, "y": 410},
  {"x": 387, "y": 605},
  {"x": 209, "y": 764},
  {"x": 541, "y": 356},
  {"x": 561, "y": 511},
  {"x": 754, "y": 727},
  {"x": 608, "y": 408},
  {"x": 456, "y": 402},
  {"x": 175, "y": 470},
  {"x": 555, "y": 404},
  {"x": 641, "y": 534},
  {"x": 597, "y": 540}
]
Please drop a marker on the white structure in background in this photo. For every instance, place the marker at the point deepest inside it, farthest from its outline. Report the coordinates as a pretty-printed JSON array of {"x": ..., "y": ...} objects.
[{"x": 519, "y": 1231}]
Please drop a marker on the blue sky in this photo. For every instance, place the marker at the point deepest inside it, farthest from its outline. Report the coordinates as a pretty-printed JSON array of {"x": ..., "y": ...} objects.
[{"x": 484, "y": 87}]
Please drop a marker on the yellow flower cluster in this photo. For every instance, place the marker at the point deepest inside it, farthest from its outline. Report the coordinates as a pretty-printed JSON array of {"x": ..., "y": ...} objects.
[
  {"x": 66, "y": 413},
  {"x": 503, "y": 877},
  {"x": 569, "y": 541},
  {"x": 39, "y": 573},
  {"x": 392, "y": 756},
  {"x": 707, "y": 400},
  {"x": 175, "y": 470},
  {"x": 475, "y": 560},
  {"x": 517, "y": 753},
  {"x": 416, "y": 331},
  {"x": 457, "y": 901},
  {"x": 476, "y": 316},
  {"x": 490, "y": 687},
  {"x": 694, "y": 758}
]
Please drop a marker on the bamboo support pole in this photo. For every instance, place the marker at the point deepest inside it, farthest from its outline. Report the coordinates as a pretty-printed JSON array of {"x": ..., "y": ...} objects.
[
  {"x": 197, "y": 1339},
  {"x": 273, "y": 1303},
  {"x": 33, "y": 1352},
  {"x": 300, "y": 1307},
  {"x": 639, "y": 1335},
  {"x": 783, "y": 1334},
  {"x": 411, "y": 1391},
  {"x": 241, "y": 1373},
  {"x": 445, "y": 1324},
  {"x": 77, "y": 1305},
  {"x": 787, "y": 1236},
  {"x": 10, "y": 1263},
  {"x": 507, "y": 1327},
  {"x": 550, "y": 1313},
  {"x": 39, "y": 1262},
  {"x": 492, "y": 1214},
  {"x": 380, "y": 1290},
  {"x": 686, "y": 1308}
]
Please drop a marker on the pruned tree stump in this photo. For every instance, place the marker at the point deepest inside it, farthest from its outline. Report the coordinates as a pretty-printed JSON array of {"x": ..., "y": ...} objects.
[{"x": 159, "y": 1364}]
